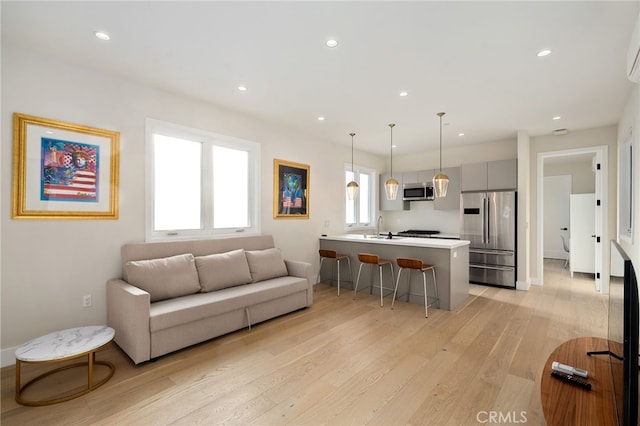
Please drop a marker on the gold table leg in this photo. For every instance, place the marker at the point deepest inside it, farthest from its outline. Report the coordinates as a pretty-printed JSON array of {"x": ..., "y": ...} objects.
[{"x": 91, "y": 361}]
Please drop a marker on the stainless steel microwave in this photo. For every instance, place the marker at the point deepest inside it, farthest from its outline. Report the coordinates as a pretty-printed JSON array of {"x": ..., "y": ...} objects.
[{"x": 417, "y": 191}]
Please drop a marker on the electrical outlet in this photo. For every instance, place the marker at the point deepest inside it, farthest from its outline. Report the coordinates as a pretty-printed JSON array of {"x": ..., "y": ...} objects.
[{"x": 86, "y": 301}]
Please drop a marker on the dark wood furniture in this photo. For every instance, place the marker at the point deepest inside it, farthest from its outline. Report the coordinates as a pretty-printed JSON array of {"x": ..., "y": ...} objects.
[{"x": 564, "y": 403}]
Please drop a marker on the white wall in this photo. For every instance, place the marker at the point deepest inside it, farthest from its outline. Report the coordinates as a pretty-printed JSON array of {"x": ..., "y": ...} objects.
[
  {"x": 47, "y": 266},
  {"x": 631, "y": 119},
  {"x": 583, "y": 179}
]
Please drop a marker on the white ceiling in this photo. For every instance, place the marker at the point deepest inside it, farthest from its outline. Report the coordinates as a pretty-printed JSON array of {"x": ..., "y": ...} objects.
[{"x": 474, "y": 60}]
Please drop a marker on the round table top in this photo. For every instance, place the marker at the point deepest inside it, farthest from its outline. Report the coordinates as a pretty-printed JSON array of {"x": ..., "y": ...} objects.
[{"x": 66, "y": 343}]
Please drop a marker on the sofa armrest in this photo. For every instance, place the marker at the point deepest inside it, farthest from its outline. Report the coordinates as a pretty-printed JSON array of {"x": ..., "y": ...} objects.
[
  {"x": 128, "y": 313},
  {"x": 297, "y": 268}
]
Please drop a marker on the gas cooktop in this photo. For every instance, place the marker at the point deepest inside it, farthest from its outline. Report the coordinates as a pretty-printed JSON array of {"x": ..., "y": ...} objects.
[{"x": 417, "y": 233}]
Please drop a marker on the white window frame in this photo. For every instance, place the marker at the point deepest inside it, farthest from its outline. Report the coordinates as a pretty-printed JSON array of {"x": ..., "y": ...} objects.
[
  {"x": 373, "y": 189},
  {"x": 208, "y": 140}
]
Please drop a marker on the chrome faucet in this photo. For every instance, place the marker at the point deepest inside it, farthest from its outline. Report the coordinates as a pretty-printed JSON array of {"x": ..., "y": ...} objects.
[{"x": 378, "y": 225}]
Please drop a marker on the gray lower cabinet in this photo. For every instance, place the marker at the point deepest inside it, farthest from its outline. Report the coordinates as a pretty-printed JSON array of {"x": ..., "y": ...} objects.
[
  {"x": 452, "y": 200},
  {"x": 389, "y": 205}
]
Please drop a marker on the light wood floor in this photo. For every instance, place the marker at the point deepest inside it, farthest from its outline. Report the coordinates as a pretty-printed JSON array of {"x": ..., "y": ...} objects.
[{"x": 344, "y": 362}]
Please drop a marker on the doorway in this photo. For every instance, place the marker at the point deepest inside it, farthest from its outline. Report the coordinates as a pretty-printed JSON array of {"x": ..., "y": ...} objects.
[
  {"x": 599, "y": 154},
  {"x": 557, "y": 191}
]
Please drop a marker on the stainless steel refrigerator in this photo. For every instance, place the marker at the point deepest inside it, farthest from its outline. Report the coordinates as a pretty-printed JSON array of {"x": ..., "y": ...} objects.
[{"x": 488, "y": 220}]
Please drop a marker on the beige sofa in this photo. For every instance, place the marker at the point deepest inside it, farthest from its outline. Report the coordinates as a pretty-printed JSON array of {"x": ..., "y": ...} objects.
[{"x": 178, "y": 293}]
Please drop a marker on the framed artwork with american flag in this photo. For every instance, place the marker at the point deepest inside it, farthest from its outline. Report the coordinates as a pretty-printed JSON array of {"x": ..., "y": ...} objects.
[
  {"x": 63, "y": 170},
  {"x": 290, "y": 190}
]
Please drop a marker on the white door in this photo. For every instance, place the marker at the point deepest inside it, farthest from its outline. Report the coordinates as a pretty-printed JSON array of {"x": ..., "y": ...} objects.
[
  {"x": 582, "y": 230},
  {"x": 557, "y": 190}
]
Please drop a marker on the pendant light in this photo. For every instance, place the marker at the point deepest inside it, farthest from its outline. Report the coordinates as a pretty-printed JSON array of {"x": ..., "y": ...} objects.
[
  {"x": 440, "y": 180},
  {"x": 352, "y": 187},
  {"x": 391, "y": 185}
]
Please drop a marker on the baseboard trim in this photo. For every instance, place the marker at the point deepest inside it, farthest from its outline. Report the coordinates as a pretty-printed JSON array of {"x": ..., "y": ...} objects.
[
  {"x": 8, "y": 357},
  {"x": 522, "y": 285}
]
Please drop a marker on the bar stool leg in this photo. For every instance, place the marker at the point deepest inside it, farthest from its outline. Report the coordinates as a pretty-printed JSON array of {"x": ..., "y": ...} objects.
[
  {"x": 319, "y": 270},
  {"x": 338, "y": 262},
  {"x": 350, "y": 272},
  {"x": 371, "y": 279},
  {"x": 435, "y": 286},
  {"x": 355, "y": 289},
  {"x": 380, "y": 270},
  {"x": 409, "y": 286},
  {"x": 424, "y": 281},
  {"x": 396, "y": 289}
]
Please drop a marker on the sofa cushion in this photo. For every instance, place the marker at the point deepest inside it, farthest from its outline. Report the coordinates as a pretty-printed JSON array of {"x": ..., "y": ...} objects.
[
  {"x": 164, "y": 278},
  {"x": 195, "y": 307},
  {"x": 266, "y": 264},
  {"x": 222, "y": 270}
]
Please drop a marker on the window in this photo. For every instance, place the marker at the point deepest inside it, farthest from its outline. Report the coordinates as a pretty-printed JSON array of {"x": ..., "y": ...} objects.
[
  {"x": 359, "y": 212},
  {"x": 200, "y": 184}
]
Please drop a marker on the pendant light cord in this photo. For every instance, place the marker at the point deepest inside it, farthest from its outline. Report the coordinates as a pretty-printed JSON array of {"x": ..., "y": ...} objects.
[
  {"x": 352, "y": 135},
  {"x": 392, "y": 125},
  {"x": 440, "y": 114}
]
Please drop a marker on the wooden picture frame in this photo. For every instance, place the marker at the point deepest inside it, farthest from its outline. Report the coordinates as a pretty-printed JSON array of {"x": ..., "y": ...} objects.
[
  {"x": 290, "y": 190},
  {"x": 63, "y": 170}
]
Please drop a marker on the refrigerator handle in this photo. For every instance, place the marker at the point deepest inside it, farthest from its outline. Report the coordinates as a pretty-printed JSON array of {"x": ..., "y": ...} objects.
[
  {"x": 488, "y": 219},
  {"x": 484, "y": 219}
]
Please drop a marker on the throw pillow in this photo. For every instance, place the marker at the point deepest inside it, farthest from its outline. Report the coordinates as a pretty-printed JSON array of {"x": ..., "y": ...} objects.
[
  {"x": 266, "y": 264},
  {"x": 218, "y": 271},
  {"x": 164, "y": 278}
]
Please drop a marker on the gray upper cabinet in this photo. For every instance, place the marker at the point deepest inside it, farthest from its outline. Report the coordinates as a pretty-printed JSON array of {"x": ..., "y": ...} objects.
[
  {"x": 489, "y": 176},
  {"x": 425, "y": 176},
  {"x": 502, "y": 174},
  {"x": 408, "y": 177},
  {"x": 473, "y": 177},
  {"x": 452, "y": 200},
  {"x": 389, "y": 205}
]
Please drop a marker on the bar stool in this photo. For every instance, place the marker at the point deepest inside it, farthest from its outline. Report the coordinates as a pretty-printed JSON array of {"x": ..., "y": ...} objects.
[
  {"x": 372, "y": 259},
  {"x": 332, "y": 254},
  {"x": 416, "y": 264}
]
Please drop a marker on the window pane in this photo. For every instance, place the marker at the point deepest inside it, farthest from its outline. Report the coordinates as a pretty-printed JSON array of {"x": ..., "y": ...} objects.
[
  {"x": 365, "y": 201},
  {"x": 351, "y": 204},
  {"x": 230, "y": 188},
  {"x": 177, "y": 167}
]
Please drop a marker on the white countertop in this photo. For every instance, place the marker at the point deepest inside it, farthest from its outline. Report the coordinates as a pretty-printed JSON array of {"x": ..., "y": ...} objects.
[{"x": 399, "y": 241}]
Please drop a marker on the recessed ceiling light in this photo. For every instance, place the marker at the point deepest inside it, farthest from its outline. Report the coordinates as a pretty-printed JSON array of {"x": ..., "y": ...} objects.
[
  {"x": 544, "y": 52},
  {"x": 320, "y": 118},
  {"x": 394, "y": 146},
  {"x": 404, "y": 94},
  {"x": 102, "y": 35},
  {"x": 460, "y": 134},
  {"x": 557, "y": 117},
  {"x": 242, "y": 88},
  {"x": 332, "y": 43}
]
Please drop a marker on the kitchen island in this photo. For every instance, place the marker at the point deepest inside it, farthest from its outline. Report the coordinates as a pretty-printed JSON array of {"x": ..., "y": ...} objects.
[{"x": 451, "y": 258}]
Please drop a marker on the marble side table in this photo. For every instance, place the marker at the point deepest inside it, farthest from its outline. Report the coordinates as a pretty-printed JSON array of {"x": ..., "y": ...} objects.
[{"x": 60, "y": 346}]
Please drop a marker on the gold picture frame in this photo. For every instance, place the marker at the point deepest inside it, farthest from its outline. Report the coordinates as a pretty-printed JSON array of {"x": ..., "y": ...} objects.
[
  {"x": 290, "y": 190},
  {"x": 63, "y": 170}
]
